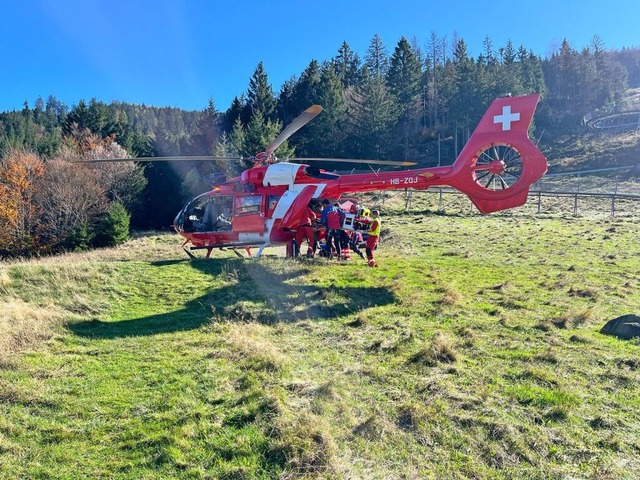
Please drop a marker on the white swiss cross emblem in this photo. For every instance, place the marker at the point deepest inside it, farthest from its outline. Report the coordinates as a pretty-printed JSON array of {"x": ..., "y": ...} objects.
[{"x": 506, "y": 118}]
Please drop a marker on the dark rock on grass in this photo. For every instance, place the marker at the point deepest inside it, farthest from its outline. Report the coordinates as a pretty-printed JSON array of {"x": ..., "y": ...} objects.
[{"x": 625, "y": 327}]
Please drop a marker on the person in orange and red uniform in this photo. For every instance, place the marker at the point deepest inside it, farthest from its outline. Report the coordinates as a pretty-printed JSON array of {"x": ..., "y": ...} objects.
[
  {"x": 334, "y": 218},
  {"x": 305, "y": 231},
  {"x": 374, "y": 236}
]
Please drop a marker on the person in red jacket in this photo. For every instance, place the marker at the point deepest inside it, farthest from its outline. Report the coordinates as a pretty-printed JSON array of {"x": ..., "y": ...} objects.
[
  {"x": 374, "y": 236},
  {"x": 334, "y": 218},
  {"x": 305, "y": 231}
]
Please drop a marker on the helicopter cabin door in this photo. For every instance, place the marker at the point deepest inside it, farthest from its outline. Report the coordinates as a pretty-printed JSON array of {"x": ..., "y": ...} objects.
[{"x": 248, "y": 215}]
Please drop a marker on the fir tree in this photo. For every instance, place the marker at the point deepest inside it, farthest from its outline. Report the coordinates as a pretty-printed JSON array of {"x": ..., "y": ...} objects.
[
  {"x": 113, "y": 228},
  {"x": 347, "y": 66},
  {"x": 260, "y": 94},
  {"x": 403, "y": 81}
]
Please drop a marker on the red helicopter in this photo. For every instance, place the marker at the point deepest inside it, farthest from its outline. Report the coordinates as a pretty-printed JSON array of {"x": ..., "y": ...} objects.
[{"x": 264, "y": 205}]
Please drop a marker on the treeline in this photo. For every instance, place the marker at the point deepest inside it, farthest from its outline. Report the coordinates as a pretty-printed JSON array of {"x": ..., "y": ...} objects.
[{"x": 414, "y": 102}]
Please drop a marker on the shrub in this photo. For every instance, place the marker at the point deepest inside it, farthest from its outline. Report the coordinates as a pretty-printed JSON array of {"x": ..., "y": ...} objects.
[
  {"x": 113, "y": 228},
  {"x": 80, "y": 238}
]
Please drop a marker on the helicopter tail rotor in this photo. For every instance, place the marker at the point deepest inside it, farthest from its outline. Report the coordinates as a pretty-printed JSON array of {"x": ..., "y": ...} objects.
[{"x": 500, "y": 163}]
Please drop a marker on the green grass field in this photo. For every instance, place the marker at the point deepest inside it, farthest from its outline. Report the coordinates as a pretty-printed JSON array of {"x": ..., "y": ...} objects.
[{"x": 473, "y": 351}]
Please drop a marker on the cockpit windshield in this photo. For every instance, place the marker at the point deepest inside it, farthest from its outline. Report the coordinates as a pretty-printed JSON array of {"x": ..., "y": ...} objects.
[{"x": 208, "y": 213}]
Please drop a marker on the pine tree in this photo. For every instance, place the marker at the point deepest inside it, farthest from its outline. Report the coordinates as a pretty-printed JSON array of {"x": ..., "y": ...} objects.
[
  {"x": 78, "y": 115},
  {"x": 377, "y": 58},
  {"x": 207, "y": 131},
  {"x": 434, "y": 72},
  {"x": 306, "y": 89},
  {"x": 260, "y": 94},
  {"x": 233, "y": 113},
  {"x": 372, "y": 118},
  {"x": 403, "y": 81},
  {"x": 464, "y": 104},
  {"x": 286, "y": 105},
  {"x": 347, "y": 66},
  {"x": 325, "y": 136}
]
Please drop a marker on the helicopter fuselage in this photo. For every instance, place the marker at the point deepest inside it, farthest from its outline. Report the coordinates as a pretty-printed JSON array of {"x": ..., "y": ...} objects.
[{"x": 264, "y": 205}]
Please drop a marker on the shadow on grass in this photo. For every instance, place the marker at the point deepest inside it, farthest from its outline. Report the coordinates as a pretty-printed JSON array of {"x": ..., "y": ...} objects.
[{"x": 257, "y": 295}]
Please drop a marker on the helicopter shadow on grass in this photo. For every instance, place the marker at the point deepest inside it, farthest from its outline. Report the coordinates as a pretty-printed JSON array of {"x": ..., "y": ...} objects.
[
  {"x": 291, "y": 299},
  {"x": 257, "y": 294}
]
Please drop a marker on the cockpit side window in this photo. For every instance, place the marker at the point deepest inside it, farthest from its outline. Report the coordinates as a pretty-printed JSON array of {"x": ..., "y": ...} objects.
[
  {"x": 209, "y": 214},
  {"x": 249, "y": 204},
  {"x": 273, "y": 201}
]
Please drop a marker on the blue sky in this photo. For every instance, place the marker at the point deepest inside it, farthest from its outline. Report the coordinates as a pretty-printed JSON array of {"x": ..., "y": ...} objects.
[{"x": 183, "y": 52}]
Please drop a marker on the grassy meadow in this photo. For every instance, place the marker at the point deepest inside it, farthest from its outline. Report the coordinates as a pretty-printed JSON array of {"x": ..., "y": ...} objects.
[{"x": 473, "y": 351}]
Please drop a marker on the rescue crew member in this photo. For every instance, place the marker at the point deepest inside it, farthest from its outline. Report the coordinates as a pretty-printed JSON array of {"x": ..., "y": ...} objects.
[
  {"x": 355, "y": 239},
  {"x": 318, "y": 229},
  {"x": 305, "y": 231},
  {"x": 334, "y": 219},
  {"x": 374, "y": 236},
  {"x": 326, "y": 208}
]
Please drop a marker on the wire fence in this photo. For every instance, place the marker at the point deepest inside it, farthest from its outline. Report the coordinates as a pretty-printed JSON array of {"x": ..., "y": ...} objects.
[
  {"x": 605, "y": 192},
  {"x": 541, "y": 201}
]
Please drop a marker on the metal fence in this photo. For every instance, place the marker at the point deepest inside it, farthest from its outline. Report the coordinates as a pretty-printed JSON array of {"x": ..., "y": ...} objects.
[{"x": 540, "y": 201}]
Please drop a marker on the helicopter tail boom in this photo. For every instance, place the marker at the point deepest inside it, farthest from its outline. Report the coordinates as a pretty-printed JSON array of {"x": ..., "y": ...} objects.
[{"x": 495, "y": 169}]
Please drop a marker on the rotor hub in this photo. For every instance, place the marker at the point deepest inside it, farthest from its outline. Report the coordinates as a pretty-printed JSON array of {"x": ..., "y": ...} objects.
[{"x": 497, "y": 166}]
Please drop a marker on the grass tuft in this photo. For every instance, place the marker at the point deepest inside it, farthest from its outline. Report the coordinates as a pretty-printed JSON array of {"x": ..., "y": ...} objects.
[
  {"x": 305, "y": 446},
  {"x": 372, "y": 428},
  {"x": 249, "y": 343},
  {"x": 360, "y": 321},
  {"x": 438, "y": 351},
  {"x": 5, "y": 279},
  {"x": 584, "y": 292},
  {"x": 451, "y": 296},
  {"x": 574, "y": 319}
]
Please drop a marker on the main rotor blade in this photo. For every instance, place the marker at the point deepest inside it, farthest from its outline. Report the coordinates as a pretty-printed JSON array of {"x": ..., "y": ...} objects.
[
  {"x": 299, "y": 122},
  {"x": 355, "y": 160},
  {"x": 194, "y": 158}
]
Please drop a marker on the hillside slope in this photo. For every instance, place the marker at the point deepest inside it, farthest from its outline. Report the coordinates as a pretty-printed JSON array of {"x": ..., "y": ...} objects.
[
  {"x": 592, "y": 151},
  {"x": 592, "y": 148}
]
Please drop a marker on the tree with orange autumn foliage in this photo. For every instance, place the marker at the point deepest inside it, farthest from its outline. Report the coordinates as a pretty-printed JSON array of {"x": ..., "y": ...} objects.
[{"x": 20, "y": 172}]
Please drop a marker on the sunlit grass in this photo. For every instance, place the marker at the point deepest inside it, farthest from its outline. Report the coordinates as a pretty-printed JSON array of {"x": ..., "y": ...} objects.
[{"x": 473, "y": 351}]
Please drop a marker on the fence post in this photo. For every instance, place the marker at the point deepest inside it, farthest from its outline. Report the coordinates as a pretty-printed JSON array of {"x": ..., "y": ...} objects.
[
  {"x": 540, "y": 196},
  {"x": 408, "y": 194}
]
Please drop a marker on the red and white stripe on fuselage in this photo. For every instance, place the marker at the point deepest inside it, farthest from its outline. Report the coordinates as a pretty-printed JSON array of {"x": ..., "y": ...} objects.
[{"x": 285, "y": 174}]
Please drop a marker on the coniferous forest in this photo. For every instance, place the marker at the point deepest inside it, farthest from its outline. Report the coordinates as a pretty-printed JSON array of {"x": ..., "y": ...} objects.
[{"x": 404, "y": 102}]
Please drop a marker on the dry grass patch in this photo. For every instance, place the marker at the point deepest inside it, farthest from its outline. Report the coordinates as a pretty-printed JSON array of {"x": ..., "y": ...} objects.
[
  {"x": 584, "y": 292},
  {"x": 24, "y": 326},
  {"x": 5, "y": 279},
  {"x": 249, "y": 342},
  {"x": 438, "y": 351},
  {"x": 571, "y": 319},
  {"x": 328, "y": 391},
  {"x": 306, "y": 446},
  {"x": 451, "y": 296},
  {"x": 361, "y": 321},
  {"x": 373, "y": 428}
]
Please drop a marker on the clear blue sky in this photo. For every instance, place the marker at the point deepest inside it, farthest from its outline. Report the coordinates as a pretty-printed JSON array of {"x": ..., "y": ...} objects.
[{"x": 183, "y": 52}]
